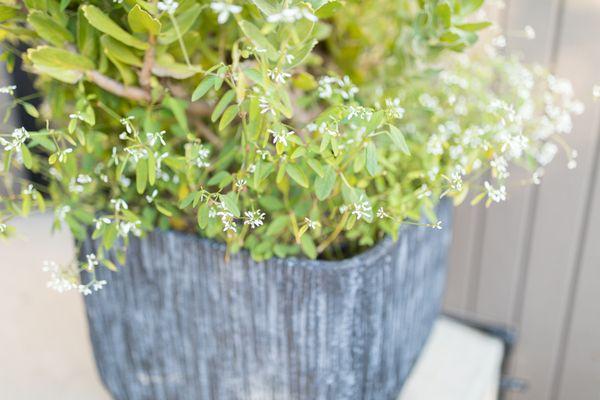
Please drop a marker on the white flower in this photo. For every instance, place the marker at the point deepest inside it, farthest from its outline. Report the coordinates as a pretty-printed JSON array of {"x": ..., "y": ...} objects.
[
  {"x": 529, "y": 32},
  {"x": 240, "y": 184},
  {"x": 61, "y": 212},
  {"x": 265, "y": 106},
  {"x": 254, "y": 218},
  {"x": 437, "y": 225},
  {"x": 60, "y": 280},
  {"x": 77, "y": 115},
  {"x": 150, "y": 198},
  {"x": 292, "y": 14},
  {"x": 125, "y": 227},
  {"x": 119, "y": 204},
  {"x": 381, "y": 213},
  {"x": 18, "y": 136},
  {"x": 84, "y": 290},
  {"x": 281, "y": 136},
  {"x": 311, "y": 224},
  {"x": 92, "y": 262},
  {"x": 3, "y": 227},
  {"x": 156, "y": 137},
  {"x": 170, "y": 6},
  {"x": 99, "y": 222},
  {"x": 224, "y": 10},
  {"x": 362, "y": 209},
  {"x": 496, "y": 195},
  {"x": 62, "y": 154},
  {"x": 329, "y": 85},
  {"x": 8, "y": 89},
  {"x": 500, "y": 165},
  {"x": 201, "y": 159},
  {"x": 547, "y": 153},
  {"x": 97, "y": 285},
  {"x": 278, "y": 76},
  {"x": 435, "y": 145},
  {"x": 83, "y": 179},
  {"x": 394, "y": 108},
  {"x": 423, "y": 191}
]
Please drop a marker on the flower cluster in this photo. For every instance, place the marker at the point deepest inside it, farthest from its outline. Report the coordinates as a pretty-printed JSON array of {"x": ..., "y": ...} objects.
[{"x": 276, "y": 127}]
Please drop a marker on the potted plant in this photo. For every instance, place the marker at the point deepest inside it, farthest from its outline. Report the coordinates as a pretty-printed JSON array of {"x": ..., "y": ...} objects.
[{"x": 259, "y": 187}]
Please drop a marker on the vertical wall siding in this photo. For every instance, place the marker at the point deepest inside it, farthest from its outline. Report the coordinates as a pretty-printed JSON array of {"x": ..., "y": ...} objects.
[{"x": 534, "y": 262}]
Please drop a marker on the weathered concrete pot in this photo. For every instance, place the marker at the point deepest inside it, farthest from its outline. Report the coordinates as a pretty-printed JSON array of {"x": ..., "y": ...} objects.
[{"x": 179, "y": 323}]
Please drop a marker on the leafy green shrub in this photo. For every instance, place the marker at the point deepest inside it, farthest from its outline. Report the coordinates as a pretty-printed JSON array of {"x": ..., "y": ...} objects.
[{"x": 283, "y": 127}]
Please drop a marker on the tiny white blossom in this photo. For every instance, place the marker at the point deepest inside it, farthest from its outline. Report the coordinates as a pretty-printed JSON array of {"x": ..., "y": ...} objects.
[
  {"x": 381, "y": 213},
  {"x": 8, "y": 89},
  {"x": 224, "y": 10},
  {"x": 153, "y": 138},
  {"x": 292, "y": 14},
  {"x": 92, "y": 262},
  {"x": 311, "y": 224},
  {"x": 362, "y": 209},
  {"x": 496, "y": 195},
  {"x": 97, "y": 285},
  {"x": 170, "y": 6},
  {"x": 254, "y": 218},
  {"x": 529, "y": 32},
  {"x": 119, "y": 204},
  {"x": 281, "y": 136},
  {"x": 77, "y": 115},
  {"x": 278, "y": 76},
  {"x": 3, "y": 227},
  {"x": 99, "y": 222},
  {"x": 265, "y": 106},
  {"x": 150, "y": 198},
  {"x": 18, "y": 136}
]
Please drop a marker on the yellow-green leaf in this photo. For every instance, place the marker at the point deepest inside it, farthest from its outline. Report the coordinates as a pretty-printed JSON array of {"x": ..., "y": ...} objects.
[
  {"x": 141, "y": 21},
  {"x": 104, "y": 24},
  {"x": 297, "y": 175},
  {"x": 48, "y": 28}
]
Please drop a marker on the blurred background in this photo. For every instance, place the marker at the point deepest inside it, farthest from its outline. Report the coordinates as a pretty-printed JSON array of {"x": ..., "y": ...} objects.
[{"x": 531, "y": 264}]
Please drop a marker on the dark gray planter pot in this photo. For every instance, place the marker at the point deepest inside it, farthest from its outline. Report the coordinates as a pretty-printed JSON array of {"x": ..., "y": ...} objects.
[{"x": 179, "y": 323}]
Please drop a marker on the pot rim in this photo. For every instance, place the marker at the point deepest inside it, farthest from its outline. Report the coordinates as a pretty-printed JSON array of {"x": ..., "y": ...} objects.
[{"x": 366, "y": 258}]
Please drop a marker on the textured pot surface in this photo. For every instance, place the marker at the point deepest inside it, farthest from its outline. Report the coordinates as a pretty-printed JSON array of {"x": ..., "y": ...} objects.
[{"x": 178, "y": 322}]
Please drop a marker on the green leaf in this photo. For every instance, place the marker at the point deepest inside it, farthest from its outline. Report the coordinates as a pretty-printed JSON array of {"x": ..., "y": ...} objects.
[
  {"x": 371, "y": 159},
  {"x": 474, "y": 26},
  {"x": 203, "y": 87},
  {"x": 297, "y": 175},
  {"x": 203, "y": 212},
  {"x": 316, "y": 166},
  {"x": 48, "y": 28},
  {"x": 259, "y": 40},
  {"x": 324, "y": 185},
  {"x": 265, "y": 6},
  {"x": 178, "y": 107},
  {"x": 308, "y": 246},
  {"x": 60, "y": 64},
  {"x": 278, "y": 225},
  {"x": 119, "y": 51},
  {"x": 104, "y": 24},
  {"x": 30, "y": 109},
  {"x": 398, "y": 139},
  {"x": 141, "y": 21},
  {"x": 185, "y": 21},
  {"x": 222, "y": 104},
  {"x": 141, "y": 176},
  {"x": 230, "y": 113},
  {"x": 27, "y": 161},
  {"x": 231, "y": 203},
  {"x": 470, "y": 6},
  {"x": 166, "y": 66},
  {"x": 151, "y": 168}
]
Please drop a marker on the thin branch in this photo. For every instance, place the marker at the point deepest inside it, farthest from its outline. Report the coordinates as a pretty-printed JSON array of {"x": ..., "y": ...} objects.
[
  {"x": 110, "y": 85},
  {"x": 146, "y": 72}
]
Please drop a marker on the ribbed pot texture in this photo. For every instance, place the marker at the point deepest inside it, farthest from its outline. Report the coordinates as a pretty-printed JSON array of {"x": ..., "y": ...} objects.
[{"x": 178, "y": 322}]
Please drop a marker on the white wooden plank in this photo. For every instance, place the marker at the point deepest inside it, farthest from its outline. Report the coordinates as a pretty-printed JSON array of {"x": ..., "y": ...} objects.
[
  {"x": 578, "y": 375},
  {"x": 559, "y": 213},
  {"x": 507, "y": 234},
  {"x": 457, "y": 363}
]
